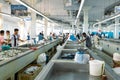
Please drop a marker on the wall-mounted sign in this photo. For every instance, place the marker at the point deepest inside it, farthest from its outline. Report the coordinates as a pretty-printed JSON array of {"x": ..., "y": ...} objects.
[
  {"x": 19, "y": 10},
  {"x": 18, "y": 7}
]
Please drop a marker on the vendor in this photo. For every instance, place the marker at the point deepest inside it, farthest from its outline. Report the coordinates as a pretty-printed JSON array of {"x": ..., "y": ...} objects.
[
  {"x": 96, "y": 39},
  {"x": 87, "y": 39},
  {"x": 54, "y": 36},
  {"x": 2, "y": 41},
  {"x": 40, "y": 36},
  {"x": 8, "y": 38},
  {"x": 15, "y": 38},
  {"x": 78, "y": 36},
  {"x": 50, "y": 36}
]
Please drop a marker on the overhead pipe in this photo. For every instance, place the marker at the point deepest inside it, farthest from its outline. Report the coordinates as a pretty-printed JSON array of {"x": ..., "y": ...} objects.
[
  {"x": 80, "y": 9},
  {"x": 113, "y": 17}
]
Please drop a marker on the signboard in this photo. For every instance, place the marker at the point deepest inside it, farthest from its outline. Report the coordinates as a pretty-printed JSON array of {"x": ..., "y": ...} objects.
[
  {"x": 19, "y": 10},
  {"x": 18, "y": 7}
]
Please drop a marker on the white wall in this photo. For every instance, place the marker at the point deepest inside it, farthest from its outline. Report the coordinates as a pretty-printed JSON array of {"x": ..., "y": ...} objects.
[{"x": 6, "y": 8}]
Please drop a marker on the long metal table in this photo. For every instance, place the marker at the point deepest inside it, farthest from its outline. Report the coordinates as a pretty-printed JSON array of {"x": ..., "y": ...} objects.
[
  {"x": 110, "y": 47},
  {"x": 53, "y": 70},
  {"x": 12, "y": 66}
]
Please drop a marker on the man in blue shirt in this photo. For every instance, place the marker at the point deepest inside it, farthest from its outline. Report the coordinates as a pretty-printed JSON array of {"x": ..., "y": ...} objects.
[{"x": 40, "y": 36}]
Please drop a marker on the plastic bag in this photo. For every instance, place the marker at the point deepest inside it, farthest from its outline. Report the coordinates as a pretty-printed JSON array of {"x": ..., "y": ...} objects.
[
  {"x": 81, "y": 58},
  {"x": 41, "y": 58},
  {"x": 73, "y": 38},
  {"x": 5, "y": 47}
]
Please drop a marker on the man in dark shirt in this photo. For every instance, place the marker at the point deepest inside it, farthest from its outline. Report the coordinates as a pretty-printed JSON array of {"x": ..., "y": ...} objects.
[
  {"x": 87, "y": 39},
  {"x": 78, "y": 35}
]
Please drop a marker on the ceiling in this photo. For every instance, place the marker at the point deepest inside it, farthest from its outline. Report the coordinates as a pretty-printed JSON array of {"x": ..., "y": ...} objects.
[
  {"x": 56, "y": 9},
  {"x": 97, "y": 8},
  {"x": 66, "y": 10},
  {"x": 60, "y": 10}
]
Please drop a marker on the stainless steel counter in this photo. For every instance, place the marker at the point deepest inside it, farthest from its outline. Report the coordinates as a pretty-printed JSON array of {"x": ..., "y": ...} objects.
[
  {"x": 72, "y": 46},
  {"x": 12, "y": 66},
  {"x": 110, "y": 47},
  {"x": 112, "y": 40},
  {"x": 62, "y": 52},
  {"x": 61, "y": 70}
]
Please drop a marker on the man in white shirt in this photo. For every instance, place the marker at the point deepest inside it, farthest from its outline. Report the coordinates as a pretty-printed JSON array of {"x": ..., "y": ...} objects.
[
  {"x": 8, "y": 37},
  {"x": 96, "y": 39},
  {"x": 15, "y": 38}
]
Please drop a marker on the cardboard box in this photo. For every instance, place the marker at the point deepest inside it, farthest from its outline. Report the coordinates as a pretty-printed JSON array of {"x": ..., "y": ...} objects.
[{"x": 24, "y": 76}]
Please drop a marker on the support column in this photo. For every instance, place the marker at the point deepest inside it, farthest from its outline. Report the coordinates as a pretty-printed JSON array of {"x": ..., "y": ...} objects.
[
  {"x": 33, "y": 25},
  {"x": 73, "y": 27},
  {"x": 33, "y": 22},
  {"x": 99, "y": 25},
  {"x": 62, "y": 28},
  {"x": 53, "y": 27},
  {"x": 21, "y": 25},
  {"x": 116, "y": 33},
  {"x": 69, "y": 29},
  {"x": 1, "y": 18},
  {"x": 45, "y": 27},
  {"x": 99, "y": 28},
  {"x": 85, "y": 24},
  {"x": 78, "y": 25}
]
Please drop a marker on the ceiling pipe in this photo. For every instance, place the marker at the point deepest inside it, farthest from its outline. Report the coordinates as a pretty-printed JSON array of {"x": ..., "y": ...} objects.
[
  {"x": 80, "y": 9},
  {"x": 113, "y": 17}
]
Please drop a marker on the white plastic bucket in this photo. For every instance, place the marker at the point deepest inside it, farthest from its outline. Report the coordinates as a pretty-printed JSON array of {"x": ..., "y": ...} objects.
[
  {"x": 116, "y": 57},
  {"x": 96, "y": 67}
]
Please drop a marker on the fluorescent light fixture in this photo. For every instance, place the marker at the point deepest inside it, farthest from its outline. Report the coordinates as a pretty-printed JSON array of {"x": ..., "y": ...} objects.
[
  {"x": 9, "y": 15},
  {"x": 80, "y": 8},
  {"x": 31, "y": 8},
  {"x": 117, "y": 15}
]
